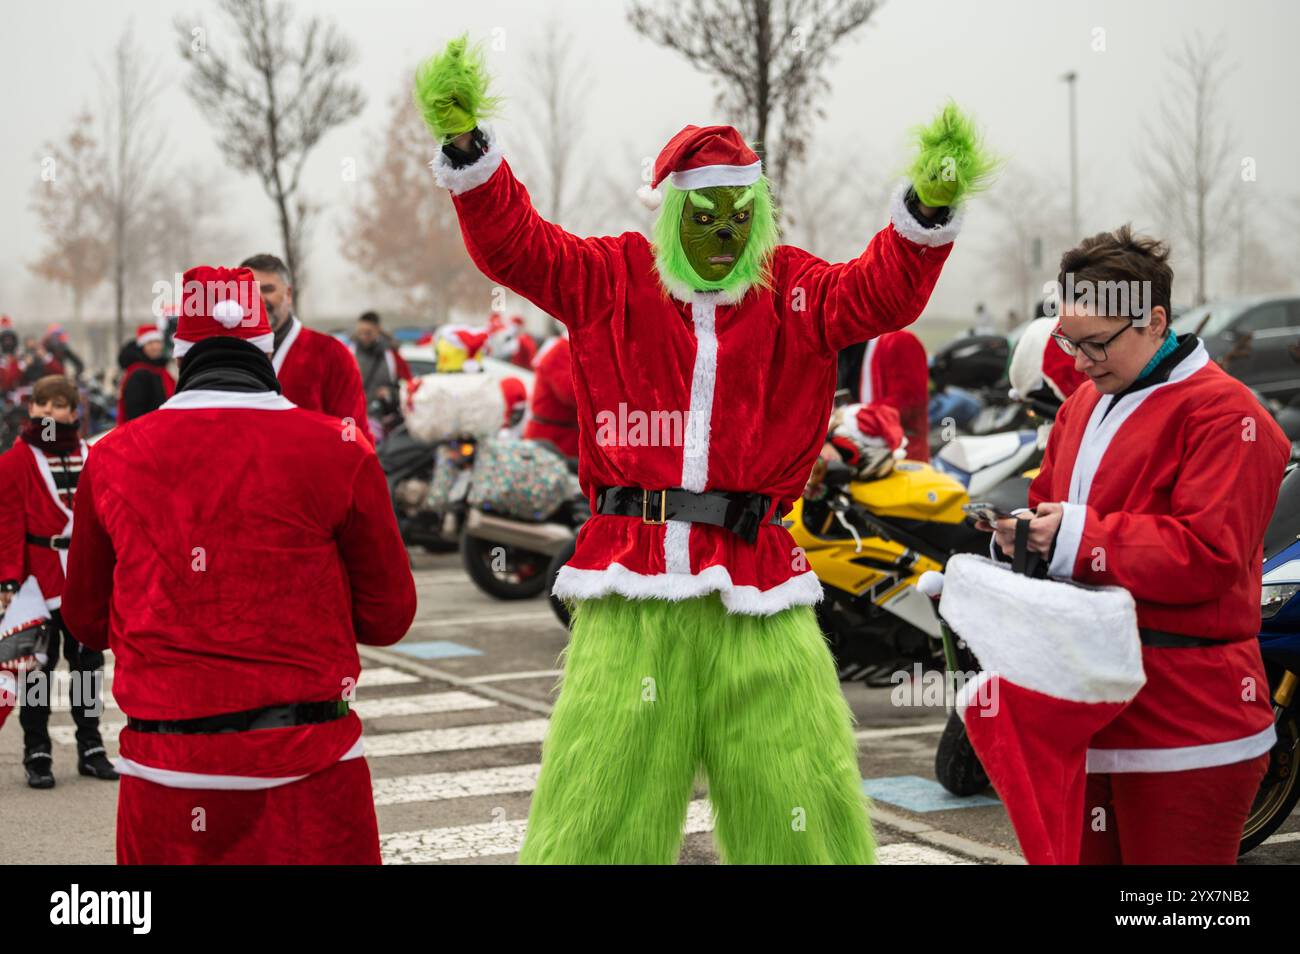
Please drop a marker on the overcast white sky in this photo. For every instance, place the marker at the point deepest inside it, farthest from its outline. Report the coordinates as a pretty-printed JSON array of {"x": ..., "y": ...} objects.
[{"x": 1001, "y": 59}]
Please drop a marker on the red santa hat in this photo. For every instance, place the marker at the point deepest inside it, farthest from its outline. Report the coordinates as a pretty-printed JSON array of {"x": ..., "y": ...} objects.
[
  {"x": 6, "y": 322},
  {"x": 702, "y": 156},
  {"x": 146, "y": 333},
  {"x": 222, "y": 302},
  {"x": 1060, "y": 662}
]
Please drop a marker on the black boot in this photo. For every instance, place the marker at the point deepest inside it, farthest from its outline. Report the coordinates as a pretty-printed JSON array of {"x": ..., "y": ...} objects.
[
  {"x": 94, "y": 762},
  {"x": 39, "y": 764}
]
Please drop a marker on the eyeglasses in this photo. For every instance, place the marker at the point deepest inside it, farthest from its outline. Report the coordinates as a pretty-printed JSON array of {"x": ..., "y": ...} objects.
[{"x": 1094, "y": 350}]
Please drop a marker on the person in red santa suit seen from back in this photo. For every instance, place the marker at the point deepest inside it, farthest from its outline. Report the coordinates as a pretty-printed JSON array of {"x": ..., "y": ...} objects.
[
  {"x": 553, "y": 410},
  {"x": 1160, "y": 476},
  {"x": 146, "y": 382},
  {"x": 892, "y": 369},
  {"x": 233, "y": 550},
  {"x": 316, "y": 371}
]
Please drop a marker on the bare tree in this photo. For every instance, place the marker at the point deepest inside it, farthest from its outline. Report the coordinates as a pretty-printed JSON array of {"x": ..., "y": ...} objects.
[
  {"x": 1187, "y": 160},
  {"x": 402, "y": 229},
  {"x": 1034, "y": 229},
  {"x": 273, "y": 104},
  {"x": 767, "y": 57},
  {"x": 131, "y": 144},
  {"x": 70, "y": 199},
  {"x": 557, "y": 82}
]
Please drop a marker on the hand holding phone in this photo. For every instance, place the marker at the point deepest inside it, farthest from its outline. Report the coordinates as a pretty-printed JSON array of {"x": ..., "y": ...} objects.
[{"x": 986, "y": 512}]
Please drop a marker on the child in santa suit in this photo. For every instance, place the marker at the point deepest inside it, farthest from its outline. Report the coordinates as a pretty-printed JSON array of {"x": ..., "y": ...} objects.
[
  {"x": 704, "y": 365},
  {"x": 233, "y": 550},
  {"x": 39, "y": 481},
  {"x": 316, "y": 371},
  {"x": 1160, "y": 476},
  {"x": 146, "y": 383}
]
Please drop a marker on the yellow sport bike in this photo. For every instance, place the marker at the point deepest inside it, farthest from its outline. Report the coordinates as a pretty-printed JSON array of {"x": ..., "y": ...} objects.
[{"x": 869, "y": 541}]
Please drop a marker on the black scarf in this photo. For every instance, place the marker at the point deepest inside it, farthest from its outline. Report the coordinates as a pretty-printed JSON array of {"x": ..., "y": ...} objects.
[
  {"x": 67, "y": 437},
  {"x": 226, "y": 364}
]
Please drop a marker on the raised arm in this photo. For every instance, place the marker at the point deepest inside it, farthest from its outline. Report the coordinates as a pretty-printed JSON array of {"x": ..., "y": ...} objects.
[
  {"x": 567, "y": 276},
  {"x": 888, "y": 285}
]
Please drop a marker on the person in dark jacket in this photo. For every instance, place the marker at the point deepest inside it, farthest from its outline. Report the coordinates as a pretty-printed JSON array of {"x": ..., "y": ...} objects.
[{"x": 146, "y": 382}]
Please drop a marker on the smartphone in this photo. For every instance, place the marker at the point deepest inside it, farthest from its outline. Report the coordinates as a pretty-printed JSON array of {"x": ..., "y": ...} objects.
[{"x": 986, "y": 512}]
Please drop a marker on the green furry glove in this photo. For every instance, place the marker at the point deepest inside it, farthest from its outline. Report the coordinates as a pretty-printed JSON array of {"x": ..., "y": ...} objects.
[
  {"x": 951, "y": 161},
  {"x": 451, "y": 90}
]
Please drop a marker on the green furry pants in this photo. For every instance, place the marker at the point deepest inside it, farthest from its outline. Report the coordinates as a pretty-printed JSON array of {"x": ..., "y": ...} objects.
[{"x": 654, "y": 691}]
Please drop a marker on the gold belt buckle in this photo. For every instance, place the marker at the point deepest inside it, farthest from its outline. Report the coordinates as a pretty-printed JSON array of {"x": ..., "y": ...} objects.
[{"x": 645, "y": 507}]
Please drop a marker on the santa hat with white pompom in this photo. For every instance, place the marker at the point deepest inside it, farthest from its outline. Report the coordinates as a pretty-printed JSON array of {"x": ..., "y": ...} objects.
[
  {"x": 699, "y": 157},
  {"x": 222, "y": 302}
]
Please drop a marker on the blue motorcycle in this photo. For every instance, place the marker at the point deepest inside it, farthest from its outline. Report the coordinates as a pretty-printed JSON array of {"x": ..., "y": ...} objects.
[{"x": 1279, "y": 643}]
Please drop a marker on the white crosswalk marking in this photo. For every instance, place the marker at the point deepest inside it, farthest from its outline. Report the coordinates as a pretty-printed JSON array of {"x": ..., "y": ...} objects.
[
  {"x": 431, "y": 845},
  {"x": 909, "y": 854},
  {"x": 420, "y": 705},
  {"x": 438, "y": 786},
  {"x": 424, "y": 741}
]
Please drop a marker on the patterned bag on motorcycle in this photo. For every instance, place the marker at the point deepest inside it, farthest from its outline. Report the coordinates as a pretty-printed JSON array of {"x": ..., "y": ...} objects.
[
  {"x": 1059, "y": 661},
  {"x": 521, "y": 479},
  {"x": 445, "y": 472}
]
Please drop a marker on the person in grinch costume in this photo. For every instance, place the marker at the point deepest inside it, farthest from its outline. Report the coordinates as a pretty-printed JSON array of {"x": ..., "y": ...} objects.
[{"x": 704, "y": 364}]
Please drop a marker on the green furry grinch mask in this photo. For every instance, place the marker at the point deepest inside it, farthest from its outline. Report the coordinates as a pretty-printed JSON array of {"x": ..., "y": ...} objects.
[{"x": 718, "y": 238}]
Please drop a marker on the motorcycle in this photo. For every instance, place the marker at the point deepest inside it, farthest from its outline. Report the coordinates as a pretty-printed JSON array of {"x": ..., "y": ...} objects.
[
  {"x": 408, "y": 463},
  {"x": 1279, "y": 643}
]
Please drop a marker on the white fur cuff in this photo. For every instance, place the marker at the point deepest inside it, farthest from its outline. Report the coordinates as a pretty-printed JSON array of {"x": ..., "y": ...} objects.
[
  {"x": 467, "y": 177},
  {"x": 907, "y": 225},
  {"x": 1068, "y": 537}
]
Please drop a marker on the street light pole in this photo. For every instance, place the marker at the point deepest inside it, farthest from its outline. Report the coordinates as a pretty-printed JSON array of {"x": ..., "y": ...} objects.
[{"x": 1070, "y": 78}]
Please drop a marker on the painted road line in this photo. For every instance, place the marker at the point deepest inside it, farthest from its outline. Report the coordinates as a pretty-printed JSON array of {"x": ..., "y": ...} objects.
[
  {"x": 427, "y": 741},
  {"x": 431, "y": 845},
  {"x": 925, "y": 832},
  {"x": 905, "y": 854},
  {"x": 1282, "y": 839},
  {"x": 378, "y": 654},
  {"x": 926, "y": 729},
  {"x": 507, "y": 676},
  {"x": 436, "y": 649},
  {"x": 420, "y": 705},
  {"x": 439, "y": 786},
  {"x": 385, "y": 676},
  {"x": 535, "y": 616},
  {"x": 918, "y": 794}
]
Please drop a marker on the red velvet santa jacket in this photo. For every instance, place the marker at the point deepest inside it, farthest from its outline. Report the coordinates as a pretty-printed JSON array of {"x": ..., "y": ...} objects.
[
  {"x": 553, "y": 411},
  {"x": 29, "y": 503},
  {"x": 319, "y": 373},
  {"x": 1168, "y": 495},
  {"x": 694, "y": 390},
  {"x": 894, "y": 372},
  {"x": 233, "y": 550}
]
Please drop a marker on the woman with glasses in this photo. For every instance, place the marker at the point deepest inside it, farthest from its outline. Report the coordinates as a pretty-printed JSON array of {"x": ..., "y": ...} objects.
[{"x": 1160, "y": 478}]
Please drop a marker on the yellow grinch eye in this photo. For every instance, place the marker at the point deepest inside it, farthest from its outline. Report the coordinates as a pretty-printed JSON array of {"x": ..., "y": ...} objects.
[
  {"x": 703, "y": 218},
  {"x": 740, "y": 217}
]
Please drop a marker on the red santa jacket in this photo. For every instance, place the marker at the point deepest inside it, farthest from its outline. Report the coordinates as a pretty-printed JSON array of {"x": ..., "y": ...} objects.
[
  {"x": 895, "y": 372},
  {"x": 1168, "y": 495},
  {"x": 319, "y": 373},
  {"x": 29, "y": 503},
  {"x": 553, "y": 413},
  {"x": 703, "y": 391},
  {"x": 233, "y": 550}
]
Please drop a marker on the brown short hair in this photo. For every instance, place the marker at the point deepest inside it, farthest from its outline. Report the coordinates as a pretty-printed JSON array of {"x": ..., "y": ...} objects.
[
  {"x": 55, "y": 386},
  {"x": 1118, "y": 256}
]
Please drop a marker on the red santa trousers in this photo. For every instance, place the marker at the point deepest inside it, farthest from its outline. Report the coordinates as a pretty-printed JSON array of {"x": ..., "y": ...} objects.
[
  {"x": 1060, "y": 661},
  {"x": 324, "y": 819}
]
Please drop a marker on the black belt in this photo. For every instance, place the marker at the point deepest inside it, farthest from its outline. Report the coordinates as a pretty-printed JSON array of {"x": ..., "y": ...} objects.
[
  {"x": 740, "y": 513},
  {"x": 53, "y": 543},
  {"x": 269, "y": 717},
  {"x": 1159, "y": 639}
]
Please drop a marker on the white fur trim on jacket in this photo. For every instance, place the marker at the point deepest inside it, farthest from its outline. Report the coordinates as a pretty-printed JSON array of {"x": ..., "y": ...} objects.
[
  {"x": 468, "y": 177},
  {"x": 230, "y": 783},
  {"x": 574, "y": 584},
  {"x": 1060, "y": 639},
  {"x": 282, "y": 352},
  {"x": 249, "y": 400},
  {"x": 907, "y": 225},
  {"x": 1182, "y": 758},
  {"x": 1068, "y": 537},
  {"x": 684, "y": 293}
]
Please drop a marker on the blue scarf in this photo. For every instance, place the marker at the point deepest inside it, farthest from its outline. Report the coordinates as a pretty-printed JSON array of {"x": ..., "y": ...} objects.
[{"x": 1164, "y": 351}]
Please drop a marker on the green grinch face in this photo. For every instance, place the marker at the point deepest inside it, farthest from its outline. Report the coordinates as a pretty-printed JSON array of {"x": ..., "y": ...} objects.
[{"x": 715, "y": 228}]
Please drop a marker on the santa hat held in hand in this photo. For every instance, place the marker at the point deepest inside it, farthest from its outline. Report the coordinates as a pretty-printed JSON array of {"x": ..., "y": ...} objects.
[
  {"x": 702, "y": 156},
  {"x": 222, "y": 303},
  {"x": 1060, "y": 661}
]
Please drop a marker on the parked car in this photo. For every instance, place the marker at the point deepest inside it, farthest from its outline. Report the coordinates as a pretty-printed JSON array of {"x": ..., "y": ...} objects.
[{"x": 1256, "y": 340}]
